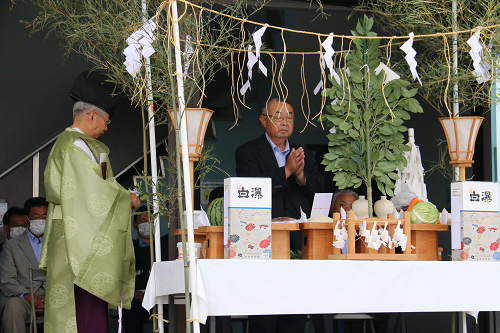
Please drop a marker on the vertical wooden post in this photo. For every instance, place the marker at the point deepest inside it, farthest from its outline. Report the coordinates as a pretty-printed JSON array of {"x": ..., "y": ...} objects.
[
  {"x": 351, "y": 232},
  {"x": 407, "y": 231}
]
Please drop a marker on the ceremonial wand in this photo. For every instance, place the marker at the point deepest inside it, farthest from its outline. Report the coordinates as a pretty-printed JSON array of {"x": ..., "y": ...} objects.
[{"x": 102, "y": 161}]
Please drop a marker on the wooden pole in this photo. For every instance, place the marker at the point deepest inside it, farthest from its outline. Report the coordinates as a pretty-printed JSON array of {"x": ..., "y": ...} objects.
[{"x": 461, "y": 176}]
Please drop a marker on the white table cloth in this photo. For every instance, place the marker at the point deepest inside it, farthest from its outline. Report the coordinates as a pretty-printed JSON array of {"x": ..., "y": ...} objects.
[{"x": 249, "y": 287}]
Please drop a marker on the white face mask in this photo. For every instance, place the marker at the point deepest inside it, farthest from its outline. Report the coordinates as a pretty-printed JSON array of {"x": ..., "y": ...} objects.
[
  {"x": 37, "y": 227},
  {"x": 16, "y": 231},
  {"x": 144, "y": 229}
]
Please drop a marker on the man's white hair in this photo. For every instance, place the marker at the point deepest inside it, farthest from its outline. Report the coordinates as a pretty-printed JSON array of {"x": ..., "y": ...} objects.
[
  {"x": 272, "y": 99},
  {"x": 344, "y": 191},
  {"x": 81, "y": 107}
]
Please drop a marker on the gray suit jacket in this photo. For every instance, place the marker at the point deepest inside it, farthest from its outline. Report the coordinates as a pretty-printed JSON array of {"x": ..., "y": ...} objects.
[{"x": 16, "y": 258}]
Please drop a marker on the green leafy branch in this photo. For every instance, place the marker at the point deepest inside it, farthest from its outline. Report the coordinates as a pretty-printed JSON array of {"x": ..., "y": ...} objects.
[{"x": 368, "y": 117}]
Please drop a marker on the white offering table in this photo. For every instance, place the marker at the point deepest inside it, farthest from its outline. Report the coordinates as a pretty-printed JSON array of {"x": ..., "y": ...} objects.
[{"x": 248, "y": 287}]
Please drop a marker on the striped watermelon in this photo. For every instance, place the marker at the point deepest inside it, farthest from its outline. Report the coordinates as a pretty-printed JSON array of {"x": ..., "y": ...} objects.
[{"x": 215, "y": 212}]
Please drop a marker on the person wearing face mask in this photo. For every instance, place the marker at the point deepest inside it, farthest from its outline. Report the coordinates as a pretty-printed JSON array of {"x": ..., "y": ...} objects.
[
  {"x": 133, "y": 319},
  {"x": 36, "y": 210},
  {"x": 19, "y": 255},
  {"x": 14, "y": 222}
]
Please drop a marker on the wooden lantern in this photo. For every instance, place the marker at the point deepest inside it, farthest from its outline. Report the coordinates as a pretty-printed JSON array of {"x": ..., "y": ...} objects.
[
  {"x": 461, "y": 133},
  {"x": 197, "y": 123}
]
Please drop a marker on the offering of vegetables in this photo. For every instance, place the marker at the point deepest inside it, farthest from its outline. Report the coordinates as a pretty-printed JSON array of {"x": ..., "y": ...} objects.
[
  {"x": 215, "y": 212},
  {"x": 424, "y": 213}
]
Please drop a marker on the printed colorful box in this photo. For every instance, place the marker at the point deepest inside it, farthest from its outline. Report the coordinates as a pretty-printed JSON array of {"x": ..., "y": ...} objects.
[
  {"x": 248, "y": 204},
  {"x": 480, "y": 237},
  {"x": 479, "y": 220}
]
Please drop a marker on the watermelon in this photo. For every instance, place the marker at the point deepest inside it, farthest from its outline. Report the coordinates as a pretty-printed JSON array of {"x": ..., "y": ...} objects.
[{"x": 215, "y": 212}]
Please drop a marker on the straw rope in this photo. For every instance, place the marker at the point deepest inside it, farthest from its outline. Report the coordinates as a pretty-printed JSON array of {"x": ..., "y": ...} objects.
[
  {"x": 326, "y": 35},
  {"x": 279, "y": 86}
]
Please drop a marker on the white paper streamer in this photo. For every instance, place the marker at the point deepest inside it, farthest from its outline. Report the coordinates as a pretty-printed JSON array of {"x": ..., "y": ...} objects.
[
  {"x": 399, "y": 238},
  {"x": 363, "y": 232},
  {"x": 139, "y": 43},
  {"x": 407, "y": 48},
  {"x": 257, "y": 37},
  {"x": 481, "y": 68},
  {"x": 254, "y": 58},
  {"x": 343, "y": 232},
  {"x": 390, "y": 74},
  {"x": 327, "y": 61},
  {"x": 339, "y": 238},
  {"x": 384, "y": 234},
  {"x": 343, "y": 214},
  {"x": 328, "y": 56},
  {"x": 374, "y": 241}
]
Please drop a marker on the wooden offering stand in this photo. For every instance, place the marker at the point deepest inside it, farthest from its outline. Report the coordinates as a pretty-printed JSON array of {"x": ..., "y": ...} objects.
[
  {"x": 281, "y": 239},
  {"x": 425, "y": 239},
  {"x": 215, "y": 241},
  {"x": 317, "y": 240},
  {"x": 383, "y": 253}
]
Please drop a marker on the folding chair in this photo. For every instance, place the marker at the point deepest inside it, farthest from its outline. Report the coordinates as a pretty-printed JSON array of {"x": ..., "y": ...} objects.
[{"x": 35, "y": 275}]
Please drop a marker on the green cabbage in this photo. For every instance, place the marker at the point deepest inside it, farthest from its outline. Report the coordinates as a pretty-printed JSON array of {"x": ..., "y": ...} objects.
[{"x": 424, "y": 212}]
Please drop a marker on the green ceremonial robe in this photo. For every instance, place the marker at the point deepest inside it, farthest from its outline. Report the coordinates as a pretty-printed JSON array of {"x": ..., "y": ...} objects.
[{"x": 87, "y": 238}]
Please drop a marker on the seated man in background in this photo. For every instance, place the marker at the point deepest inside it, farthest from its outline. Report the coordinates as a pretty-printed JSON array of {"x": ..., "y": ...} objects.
[
  {"x": 343, "y": 199},
  {"x": 14, "y": 222},
  {"x": 17, "y": 257},
  {"x": 36, "y": 211},
  {"x": 134, "y": 318}
]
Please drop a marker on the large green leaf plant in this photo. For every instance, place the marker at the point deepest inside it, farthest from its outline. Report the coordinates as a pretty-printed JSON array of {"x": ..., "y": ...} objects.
[{"x": 368, "y": 117}]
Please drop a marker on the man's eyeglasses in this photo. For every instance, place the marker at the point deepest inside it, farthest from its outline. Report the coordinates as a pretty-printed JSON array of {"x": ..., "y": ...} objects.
[
  {"x": 278, "y": 118},
  {"x": 107, "y": 121}
]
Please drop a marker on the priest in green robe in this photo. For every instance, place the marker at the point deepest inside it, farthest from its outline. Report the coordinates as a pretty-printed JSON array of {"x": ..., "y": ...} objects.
[{"x": 87, "y": 252}]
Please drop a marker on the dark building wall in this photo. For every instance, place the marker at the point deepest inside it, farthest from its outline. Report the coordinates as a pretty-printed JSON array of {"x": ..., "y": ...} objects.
[{"x": 35, "y": 79}]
